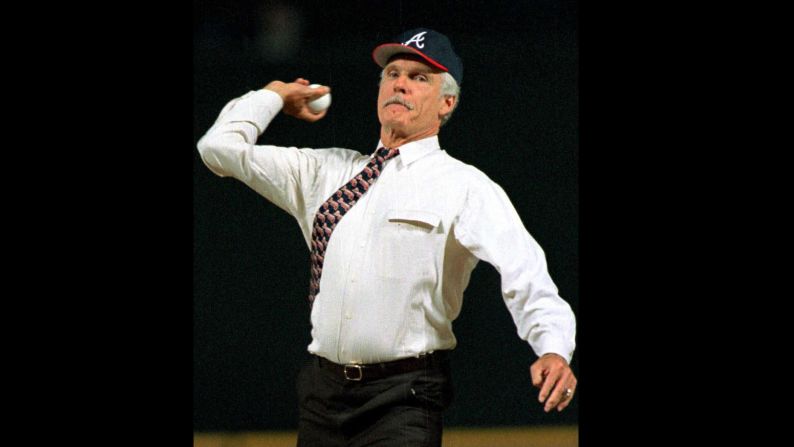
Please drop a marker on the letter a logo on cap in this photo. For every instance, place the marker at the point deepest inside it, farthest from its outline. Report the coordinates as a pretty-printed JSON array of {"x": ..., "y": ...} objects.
[{"x": 418, "y": 39}]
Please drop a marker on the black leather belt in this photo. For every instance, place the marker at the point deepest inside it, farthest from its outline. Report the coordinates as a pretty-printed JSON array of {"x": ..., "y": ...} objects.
[{"x": 374, "y": 371}]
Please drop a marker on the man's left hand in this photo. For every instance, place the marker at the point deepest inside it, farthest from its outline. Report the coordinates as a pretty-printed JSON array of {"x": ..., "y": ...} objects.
[{"x": 552, "y": 374}]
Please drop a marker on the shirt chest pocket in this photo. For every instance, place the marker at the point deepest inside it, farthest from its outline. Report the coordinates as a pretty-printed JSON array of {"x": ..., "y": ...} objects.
[{"x": 408, "y": 244}]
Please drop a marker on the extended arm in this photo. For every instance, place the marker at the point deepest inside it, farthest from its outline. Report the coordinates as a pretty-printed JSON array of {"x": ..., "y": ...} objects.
[{"x": 491, "y": 229}]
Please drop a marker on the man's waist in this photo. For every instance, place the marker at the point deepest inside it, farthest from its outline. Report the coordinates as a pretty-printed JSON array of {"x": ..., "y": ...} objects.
[
  {"x": 375, "y": 343},
  {"x": 372, "y": 371}
]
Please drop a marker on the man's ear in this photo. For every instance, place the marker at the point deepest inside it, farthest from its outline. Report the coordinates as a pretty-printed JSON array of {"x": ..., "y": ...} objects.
[{"x": 448, "y": 105}]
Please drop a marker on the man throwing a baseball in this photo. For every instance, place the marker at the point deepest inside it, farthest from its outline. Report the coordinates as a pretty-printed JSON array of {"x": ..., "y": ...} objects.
[{"x": 393, "y": 237}]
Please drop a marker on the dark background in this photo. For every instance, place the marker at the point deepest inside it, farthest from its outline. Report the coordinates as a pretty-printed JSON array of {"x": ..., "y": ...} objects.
[{"x": 517, "y": 122}]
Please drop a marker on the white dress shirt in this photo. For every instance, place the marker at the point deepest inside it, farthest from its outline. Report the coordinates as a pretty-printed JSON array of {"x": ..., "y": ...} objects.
[{"x": 397, "y": 264}]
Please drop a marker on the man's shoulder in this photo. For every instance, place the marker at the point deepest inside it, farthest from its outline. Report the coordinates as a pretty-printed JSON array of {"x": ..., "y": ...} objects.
[
  {"x": 463, "y": 171},
  {"x": 338, "y": 154}
]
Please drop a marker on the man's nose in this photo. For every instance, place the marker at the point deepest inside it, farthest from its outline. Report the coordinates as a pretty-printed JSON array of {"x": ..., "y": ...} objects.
[{"x": 399, "y": 84}]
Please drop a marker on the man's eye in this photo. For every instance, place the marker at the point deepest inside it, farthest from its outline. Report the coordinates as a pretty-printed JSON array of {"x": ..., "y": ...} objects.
[
  {"x": 421, "y": 78},
  {"x": 392, "y": 74}
]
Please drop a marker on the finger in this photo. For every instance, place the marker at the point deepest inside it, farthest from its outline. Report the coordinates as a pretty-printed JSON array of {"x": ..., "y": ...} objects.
[
  {"x": 311, "y": 117},
  {"x": 319, "y": 91},
  {"x": 548, "y": 386},
  {"x": 306, "y": 93},
  {"x": 301, "y": 81},
  {"x": 537, "y": 375},
  {"x": 567, "y": 400},
  {"x": 556, "y": 396}
]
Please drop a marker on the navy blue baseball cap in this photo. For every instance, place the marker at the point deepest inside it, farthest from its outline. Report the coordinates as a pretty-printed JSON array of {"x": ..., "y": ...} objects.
[{"x": 430, "y": 45}]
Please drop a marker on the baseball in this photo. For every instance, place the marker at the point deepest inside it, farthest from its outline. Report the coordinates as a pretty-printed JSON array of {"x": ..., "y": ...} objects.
[{"x": 321, "y": 103}]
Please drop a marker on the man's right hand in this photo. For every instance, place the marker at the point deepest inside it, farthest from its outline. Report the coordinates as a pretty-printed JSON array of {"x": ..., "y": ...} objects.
[{"x": 296, "y": 96}]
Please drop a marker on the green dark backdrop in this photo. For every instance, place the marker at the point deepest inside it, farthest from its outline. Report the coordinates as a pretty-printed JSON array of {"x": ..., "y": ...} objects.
[{"x": 517, "y": 122}]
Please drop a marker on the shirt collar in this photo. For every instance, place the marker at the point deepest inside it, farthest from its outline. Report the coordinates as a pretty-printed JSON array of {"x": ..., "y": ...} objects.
[{"x": 410, "y": 152}]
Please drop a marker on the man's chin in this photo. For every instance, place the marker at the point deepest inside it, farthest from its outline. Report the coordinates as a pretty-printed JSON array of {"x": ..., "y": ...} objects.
[{"x": 393, "y": 122}]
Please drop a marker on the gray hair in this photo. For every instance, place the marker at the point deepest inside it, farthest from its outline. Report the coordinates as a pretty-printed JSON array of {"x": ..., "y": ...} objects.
[{"x": 449, "y": 87}]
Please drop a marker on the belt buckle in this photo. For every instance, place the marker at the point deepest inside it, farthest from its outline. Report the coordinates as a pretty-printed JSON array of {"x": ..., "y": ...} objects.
[{"x": 354, "y": 367}]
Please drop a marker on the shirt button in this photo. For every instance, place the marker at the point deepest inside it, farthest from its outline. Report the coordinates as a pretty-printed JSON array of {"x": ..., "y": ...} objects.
[{"x": 347, "y": 316}]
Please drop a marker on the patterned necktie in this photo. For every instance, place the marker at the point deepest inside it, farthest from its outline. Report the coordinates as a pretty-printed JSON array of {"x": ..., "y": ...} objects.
[{"x": 340, "y": 202}]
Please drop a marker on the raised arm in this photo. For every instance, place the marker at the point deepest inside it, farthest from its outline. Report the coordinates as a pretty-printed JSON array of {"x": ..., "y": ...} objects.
[{"x": 283, "y": 175}]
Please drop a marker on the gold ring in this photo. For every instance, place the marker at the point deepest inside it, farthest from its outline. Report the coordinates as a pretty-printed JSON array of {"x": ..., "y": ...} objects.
[{"x": 568, "y": 392}]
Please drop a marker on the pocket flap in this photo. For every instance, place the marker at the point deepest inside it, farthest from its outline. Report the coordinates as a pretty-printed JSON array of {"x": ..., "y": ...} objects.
[{"x": 425, "y": 218}]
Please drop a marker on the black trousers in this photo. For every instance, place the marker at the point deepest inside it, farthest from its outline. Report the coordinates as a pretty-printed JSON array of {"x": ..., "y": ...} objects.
[{"x": 400, "y": 410}]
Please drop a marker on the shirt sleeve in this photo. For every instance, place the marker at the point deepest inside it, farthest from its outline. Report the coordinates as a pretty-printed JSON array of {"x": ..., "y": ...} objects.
[
  {"x": 491, "y": 229},
  {"x": 284, "y": 175}
]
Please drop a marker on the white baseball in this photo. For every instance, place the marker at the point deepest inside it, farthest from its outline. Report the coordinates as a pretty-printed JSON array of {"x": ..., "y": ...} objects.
[{"x": 321, "y": 103}]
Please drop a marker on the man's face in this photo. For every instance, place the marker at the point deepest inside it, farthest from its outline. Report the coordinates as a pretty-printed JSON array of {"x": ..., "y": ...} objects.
[{"x": 418, "y": 85}]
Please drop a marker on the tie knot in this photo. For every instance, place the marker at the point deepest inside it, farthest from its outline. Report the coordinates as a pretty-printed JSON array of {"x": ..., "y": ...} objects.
[{"x": 388, "y": 153}]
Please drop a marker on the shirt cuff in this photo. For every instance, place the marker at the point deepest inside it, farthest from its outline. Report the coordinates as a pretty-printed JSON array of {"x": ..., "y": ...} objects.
[{"x": 557, "y": 347}]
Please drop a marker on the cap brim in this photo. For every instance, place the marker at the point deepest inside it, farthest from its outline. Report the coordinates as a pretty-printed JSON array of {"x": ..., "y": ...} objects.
[{"x": 382, "y": 53}]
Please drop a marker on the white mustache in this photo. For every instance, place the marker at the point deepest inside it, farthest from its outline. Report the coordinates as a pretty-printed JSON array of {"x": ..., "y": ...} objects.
[{"x": 397, "y": 99}]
